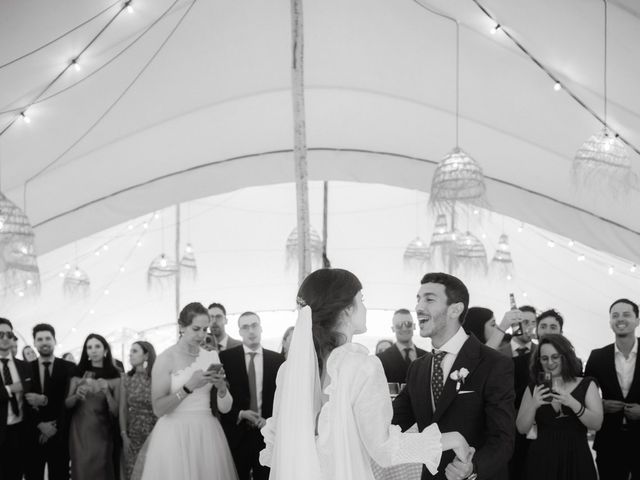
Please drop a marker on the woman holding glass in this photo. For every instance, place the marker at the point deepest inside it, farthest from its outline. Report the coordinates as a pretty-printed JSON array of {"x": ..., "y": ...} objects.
[
  {"x": 92, "y": 397},
  {"x": 563, "y": 414}
]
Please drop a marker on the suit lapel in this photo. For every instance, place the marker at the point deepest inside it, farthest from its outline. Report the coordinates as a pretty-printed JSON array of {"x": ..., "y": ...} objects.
[
  {"x": 467, "y": 358},
  {"x": 635, "y": 383},
  {"x": 35, "y": 367},
  {"x": 612, "y": 375},
  {"x": 423, "y": 397}
]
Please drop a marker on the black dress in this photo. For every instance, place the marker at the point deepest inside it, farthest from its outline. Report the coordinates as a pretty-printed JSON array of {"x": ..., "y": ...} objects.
[{"x": 561, "y": 451}]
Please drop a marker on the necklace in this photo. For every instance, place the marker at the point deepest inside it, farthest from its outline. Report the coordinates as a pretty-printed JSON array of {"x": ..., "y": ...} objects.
[{"x": 189, "y": 351}]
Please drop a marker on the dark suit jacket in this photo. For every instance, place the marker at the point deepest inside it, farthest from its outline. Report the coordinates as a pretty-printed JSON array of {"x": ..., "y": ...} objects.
[
  {"x": 485, "y": 416},
  {"x": 24, "y": 372},
  {"x": 395, "y": 368},
  {"x": 602, "y": 366},
  {"x": 236, "y": 371},
  {"x": 60, "y": 378},
  {"x": 521, "y": 370},
  {"x": 232, "y": 343}
]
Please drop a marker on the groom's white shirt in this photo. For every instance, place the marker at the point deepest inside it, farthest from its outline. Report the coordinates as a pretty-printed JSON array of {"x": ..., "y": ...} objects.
[{"x": 452, "y": 347}]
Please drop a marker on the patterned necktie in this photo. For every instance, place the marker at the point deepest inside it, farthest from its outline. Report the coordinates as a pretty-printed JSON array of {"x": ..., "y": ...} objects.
[
  {"x": 407, "y": 357},
  {"x": 8, "y": 380},
  {"x": 253, "y": 390},
  {"x": 47, "y": 379},
  {"x": 437, "y": 378}
]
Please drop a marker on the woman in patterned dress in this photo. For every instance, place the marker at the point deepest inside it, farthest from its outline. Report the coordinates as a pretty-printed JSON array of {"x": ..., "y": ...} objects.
[{"x": 136, "y": 412}]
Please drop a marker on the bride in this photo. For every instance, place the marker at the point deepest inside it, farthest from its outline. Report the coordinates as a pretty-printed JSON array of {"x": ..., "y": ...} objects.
[
  {"x": 332, "y": 410},
  {"x": 187, "y": 440}
]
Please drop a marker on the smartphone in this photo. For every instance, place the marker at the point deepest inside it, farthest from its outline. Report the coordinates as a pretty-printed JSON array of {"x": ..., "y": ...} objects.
[
  {"x": 544, "y": 379},
  {"x": 215, "y": 368},
  {"x": 516, "y": 329}
]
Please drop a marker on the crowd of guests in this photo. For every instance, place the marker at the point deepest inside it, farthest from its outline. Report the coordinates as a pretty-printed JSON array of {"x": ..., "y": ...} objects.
[
  {"x": 213, "y": 392},
  {"x": 555, "y": 411},
  {"x": 92, "y": 420}
]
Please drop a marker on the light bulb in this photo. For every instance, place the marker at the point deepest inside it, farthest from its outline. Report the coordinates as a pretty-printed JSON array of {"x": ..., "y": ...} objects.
[
  {"x": 106, "y": 292},
  {"x": 105, "y": 247},
  {"x": 97, "y": 253},
  {"x": 633, "y": 268},
  {"x": 122, "y": 268},
  {"x": 76, "y": 65},
  {"x": 145, "y": 225},
  {"x": 25, "y": 117},
  {"x": 139, "y": 244},
  {"x": 73, "y": 329},
  {"x": 1, "y": 222},
  {"x": 551, "y": 244},
  {"x": 525, "y": 294},
  {"x": 67, "y": 266},
  {"x": 130, "y": 227},
  {"x": 92, "y": 311},
  {"x": 571, "y": 243},
  {"x": 61, "y": 274},
  {"x": 520, "y": 228},
  {"x": 557, "y": 86},
  {"x": 163, "y": 262},
  {"x": 189, "y": 248},
  {"x": 581, "y": 258},
  {"x": 610, "y": 270},
  {"x": 129, "y": 8},
  {"x": 29, "y": 282},
  {"x": 509, "y": 277},
  {"x": 77, "y": 273},
  {"x": 495, "y": 29}
]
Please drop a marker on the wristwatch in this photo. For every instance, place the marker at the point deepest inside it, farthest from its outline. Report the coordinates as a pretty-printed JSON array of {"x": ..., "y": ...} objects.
[{"x": 473, "y": 475}]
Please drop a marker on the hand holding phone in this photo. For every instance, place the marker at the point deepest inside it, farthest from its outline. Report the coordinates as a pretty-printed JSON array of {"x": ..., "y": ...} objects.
[{"x": 215, "y": 368}]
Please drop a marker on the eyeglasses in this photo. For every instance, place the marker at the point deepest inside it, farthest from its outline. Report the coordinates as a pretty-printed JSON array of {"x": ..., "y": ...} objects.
[
  {"x": 553, "y": 358},
  {"x": 405, "y": 324},
  {"x": 9, "y": 335}
]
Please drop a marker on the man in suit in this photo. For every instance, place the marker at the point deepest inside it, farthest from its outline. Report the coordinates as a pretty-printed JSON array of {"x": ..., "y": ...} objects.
[
  {"x": 49, "y": 431},
  {"x": 462, "y": 386},
  {"x": 617, "y": 370},
  {"x": 396, "y": 359},
  {"x": 251, "y": 372},
  {"x": 218, "y": 322},
  {"x": 15, "y": 382}
]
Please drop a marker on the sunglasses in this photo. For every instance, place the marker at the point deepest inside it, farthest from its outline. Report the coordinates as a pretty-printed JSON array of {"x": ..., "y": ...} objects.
[
  {"x": 9, "y": 335},
  {"x": 405, "y": 324}
]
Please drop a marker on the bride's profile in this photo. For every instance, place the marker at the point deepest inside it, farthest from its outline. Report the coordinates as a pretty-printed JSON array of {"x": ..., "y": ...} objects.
[{"x": 332, "y": 411}]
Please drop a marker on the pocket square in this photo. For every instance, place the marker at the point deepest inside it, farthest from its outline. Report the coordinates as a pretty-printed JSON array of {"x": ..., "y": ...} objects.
[{"x": 461, "y": 392}]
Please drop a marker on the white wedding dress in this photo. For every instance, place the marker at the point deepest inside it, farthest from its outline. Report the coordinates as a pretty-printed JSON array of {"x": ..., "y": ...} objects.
[
  {"x": 189, "y": 443},
  {"x": 353, "y": 426}
]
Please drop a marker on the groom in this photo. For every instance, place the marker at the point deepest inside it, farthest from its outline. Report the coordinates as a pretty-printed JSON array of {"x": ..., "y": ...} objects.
[{"x": 462, "y": 386}]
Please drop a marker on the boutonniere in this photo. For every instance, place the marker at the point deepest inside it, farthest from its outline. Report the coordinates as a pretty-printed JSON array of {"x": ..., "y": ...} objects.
[{"x": 459, "y": 376}]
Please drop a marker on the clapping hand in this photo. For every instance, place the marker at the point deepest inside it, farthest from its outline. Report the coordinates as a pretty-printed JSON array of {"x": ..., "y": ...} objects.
[
  {"x": 47, "y": 430},
  {"x": 460, "y": 468},
  {"x": 36, "y": 400}
]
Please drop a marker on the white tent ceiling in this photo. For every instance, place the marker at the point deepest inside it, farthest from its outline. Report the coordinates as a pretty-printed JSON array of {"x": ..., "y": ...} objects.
[{"x": 212, "y": 111}]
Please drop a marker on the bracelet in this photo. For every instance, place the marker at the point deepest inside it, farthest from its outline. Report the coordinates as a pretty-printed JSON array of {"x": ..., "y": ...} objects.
[
  {"x": 181, "y": 395},
  {"x": 581, "y": 411},
  {"x": 186, "y": 390}
]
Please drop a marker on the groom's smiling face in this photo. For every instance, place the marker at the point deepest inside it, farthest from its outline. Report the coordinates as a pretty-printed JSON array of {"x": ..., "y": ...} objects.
[{"x": 431, "y": 309}]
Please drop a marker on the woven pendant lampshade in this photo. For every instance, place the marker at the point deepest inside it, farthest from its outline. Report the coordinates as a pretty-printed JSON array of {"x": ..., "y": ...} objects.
[
  {"x": 470, "y": 256},
  {"x": 443, "y": 243},
  {"x": 161, "y": 271},
  {"x": 458, "y": 179},
  {"x": 76, "y": 283},
  {"x": 603, "y": 162},
  {"x": 502, "y": 264},
  {"x": 417, "y": 253},
  {"x": 315, "y": 245},
  {"x": 19, "y": 272}
]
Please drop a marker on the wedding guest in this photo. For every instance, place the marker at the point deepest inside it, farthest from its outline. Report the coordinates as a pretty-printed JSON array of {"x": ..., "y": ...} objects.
[
  {"x": 136, "y": 411},
  {"x": 28, "y": 354},
  {"x": 14, "y": 346},
  {"x": 187, "y": 441},
  {"x": 15, "y": 382},
  {"x": 549, "y": 321},
  {"x": 251, "y": 371},
  {"x": 481, "y": 323},
  {"x": 218, "y": 323},
  {"x": 93, "y": 400},
  {"x": 286, "y": 341},
  {"x": 50, "y": 432},
  {"x": 69, "y": 357},
  {"x": 383, "y": 345},
  {"x": 615, "y": 367},
  {"x": 521, "y": 349},
  {"x": 396, "y": 360},
  {"x": 563, "y": 414}
]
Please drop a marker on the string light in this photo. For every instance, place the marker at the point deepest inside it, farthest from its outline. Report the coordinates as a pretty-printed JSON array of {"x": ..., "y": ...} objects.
[
  {"x": 571, "y": 243},
  {"x": 129, "y": 6},
  {"x": 633, "y": 268},
  {"x": 610, "y": 270},
  {"x": 75, "y": 64},
  {"x": 495, "y": 29},
  {"x": 520, "y": 228},
  {"x": 557, "y": 86},
  {"x": 551, "y": 244},
  {"x": 581, "y": 258},
  {"x": 25, "y": 118},
  {"x": 525, "y": 294}
]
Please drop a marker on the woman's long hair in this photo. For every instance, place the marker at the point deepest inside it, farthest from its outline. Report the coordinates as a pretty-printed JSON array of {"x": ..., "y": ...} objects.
[
  {"x": 151, "y": 357},
  {"x": 328, "y": 291},
  {"x": 109, "y": 369},
  {"x": 570, "y": 367}
]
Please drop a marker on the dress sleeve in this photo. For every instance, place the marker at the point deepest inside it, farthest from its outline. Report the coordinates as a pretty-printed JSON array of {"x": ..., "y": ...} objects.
[
  {"x": 224, "y": 403},
  {"x": 269, "y": 430},
  {"x": 385, "y": 443}
]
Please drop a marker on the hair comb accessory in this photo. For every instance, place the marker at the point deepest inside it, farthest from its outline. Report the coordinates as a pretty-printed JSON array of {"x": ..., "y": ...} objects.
[{"x": 300, "y": 302}]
